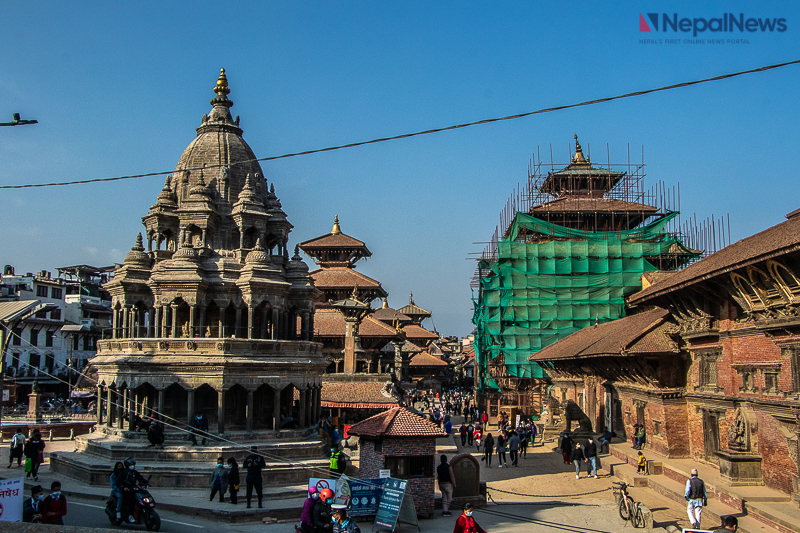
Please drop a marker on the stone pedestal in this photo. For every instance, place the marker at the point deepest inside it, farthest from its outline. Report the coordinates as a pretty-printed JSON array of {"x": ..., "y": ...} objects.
[
  {"x": 34, "y": 410},
  {"x": 739, "y": 469},
  {"x": 467, "y": 471}
]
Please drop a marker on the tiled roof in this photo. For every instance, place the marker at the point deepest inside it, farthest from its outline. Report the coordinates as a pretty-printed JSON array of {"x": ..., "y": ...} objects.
[
  {"x": 387, "y": 314},
  {"x": 414, "y": 310},
  {"x": 641, "y": 333},
  {"x": 341, "y": 277},
  {"x": 396, "y": 422},
  {"x": 330, "y": 323},
  {"x": 331, "y": 240},
  {"x": 413, "y": 331},
  {"x": 779, "y": 239},
  {"x": 426, "y": 359},
  {"x": 17, "y": 309},
  {"x": 357, "y": 392},
  {"x": 591, "y": 204}
]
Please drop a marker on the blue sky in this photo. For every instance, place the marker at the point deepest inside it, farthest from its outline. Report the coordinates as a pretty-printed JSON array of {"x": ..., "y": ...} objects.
[{"x": 119, "y": 89}]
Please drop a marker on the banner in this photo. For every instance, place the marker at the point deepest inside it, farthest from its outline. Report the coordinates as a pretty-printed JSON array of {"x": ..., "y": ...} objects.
[
  {"x": 364, "y": 496},
  {"x": 342, "y": 492},
  {"x": 11, "y": 499}
]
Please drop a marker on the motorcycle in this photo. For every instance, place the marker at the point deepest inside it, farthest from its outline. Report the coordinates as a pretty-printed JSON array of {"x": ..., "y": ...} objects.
[{"x": 143, "y": 510}]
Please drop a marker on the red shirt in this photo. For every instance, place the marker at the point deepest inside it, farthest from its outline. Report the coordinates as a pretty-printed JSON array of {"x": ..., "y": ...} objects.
[
  {"x": 467, "y": 524},
  {"x": 53, "y": 510}
]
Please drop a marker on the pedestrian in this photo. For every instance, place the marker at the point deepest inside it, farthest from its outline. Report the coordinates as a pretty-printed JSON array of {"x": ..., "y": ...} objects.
[
  {"x": 34, "y": 450},
  {"x": 697, "y": 497},
  {"x": 729, "y": 523},
  {"x": 501, "y": 450},
  {"x": 30, "y": 507},
  {"x": 534, "y": 431},
  {"x": 219, "y": 480},
  {"x": 233, "y": 479},
  {"x": 523, "y": 443},
  {"x": 447, "y": 482},
  {"x": 470, "y": 434},
  {"x": 448, "y": 427},
  {"x": 199, "y": 425},
  {"x": 54, "y": 506},
  {"x": 476, "y": 437},
  {"x": 591, "y": 457},
  {"x": 640, "y": 438},
  {"x": 485, "y": 418},
  {"x": 463, "y": 431},
  {"x": 566, "y": 448},
  {"x": 467, "y": 524},
  {"x": 254, "y": 463},
  {"x": 577, "y": 457},
  {"x": 641, "y": 464},
  {"x": 488, "y": 449},
  {"x": 15, "y": 451},
  {"x": 513, "y": 448},
  {"x": 307, "y": 514},
  {"x": 155, "y": 434}
]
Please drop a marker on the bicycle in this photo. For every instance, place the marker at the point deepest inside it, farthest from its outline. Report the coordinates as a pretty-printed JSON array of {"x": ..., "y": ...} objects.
[{"x": 628, "y": 509}]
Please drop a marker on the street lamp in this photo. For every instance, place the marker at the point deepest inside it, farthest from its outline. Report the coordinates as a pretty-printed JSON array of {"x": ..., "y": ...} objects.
[{"x": 18, "y": 122}]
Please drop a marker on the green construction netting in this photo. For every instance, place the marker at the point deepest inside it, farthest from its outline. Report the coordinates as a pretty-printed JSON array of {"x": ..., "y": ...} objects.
[{"x": 537, "y": 293}]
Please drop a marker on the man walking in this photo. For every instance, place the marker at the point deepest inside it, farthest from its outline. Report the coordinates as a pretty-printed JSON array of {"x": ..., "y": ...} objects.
[
  {"x": 577, "y": 457},
  {"x": 513, "y": 448},
  {"x": 447, "y": 482},
  {"x": 17, "y": 442},
  {"x": 254, "y": 463},
  {"x": 591, "y": 457},
  {"x": 470, "y": 434},
  {"x": 697, "y": 497}
]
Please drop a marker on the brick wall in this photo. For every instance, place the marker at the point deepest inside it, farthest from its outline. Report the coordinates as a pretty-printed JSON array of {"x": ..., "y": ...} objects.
[
  {"x": 372, "y": 457},
  {"x": 777, "y": 466}
]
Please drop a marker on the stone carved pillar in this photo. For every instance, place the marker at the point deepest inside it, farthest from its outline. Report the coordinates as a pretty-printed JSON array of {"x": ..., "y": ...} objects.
[
  {"x": 221, "y": 411},
  {"x": 264, "y": 316},
  {"x": 157, "y": 322},
  {"x": 124, "y": 312},
  {"x": 275, "y": 324},
  {"x": 190, "y": 406},
  {"x": 114, "y": 323},
  {"x": 123, "y": 405},
  {"x": 174, "y": 329},
  {"x": 249, "y": 426},
  {"x": 99, "y": 405},
  {"x": 302, "y": 408},
  {"x": 192, "y": 312},
  {"x": 238, "y": 327},
  {"x": 201, "y": 320},
  {"x": 160, "y": 404},
  {"x": 250, "y": 312},
  {"x": 110, "y": 408},
  {"x": 276, "y": 409},
  {"x": 222, "y": 332},
  {"x": 165, "y": 321}
]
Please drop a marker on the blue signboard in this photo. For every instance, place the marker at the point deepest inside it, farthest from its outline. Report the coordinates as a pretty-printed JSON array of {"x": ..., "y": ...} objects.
[
  {"x": 365, "y": 494},
  {"x": 391, "y": 500}
]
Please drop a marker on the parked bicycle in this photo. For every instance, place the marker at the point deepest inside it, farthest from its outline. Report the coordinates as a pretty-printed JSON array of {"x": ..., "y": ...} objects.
[{"x": 628, "y": 509}]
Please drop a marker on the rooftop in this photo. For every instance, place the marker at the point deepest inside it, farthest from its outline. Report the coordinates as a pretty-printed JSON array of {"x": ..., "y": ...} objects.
[
  {"x": 355, "y": 394},
  {"x": 396, "y": 422}
]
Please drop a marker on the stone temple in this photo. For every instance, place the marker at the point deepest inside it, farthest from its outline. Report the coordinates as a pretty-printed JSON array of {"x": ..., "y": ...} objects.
[{"x": 210, "y": 316}]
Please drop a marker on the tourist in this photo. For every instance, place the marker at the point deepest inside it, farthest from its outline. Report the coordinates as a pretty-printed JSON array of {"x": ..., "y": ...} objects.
[
  {"x": 447, "y": 482},
  {"x": 345, "y": 524},
  {"x": 467, "y": 524},
  {"x": 199, "y": 425},
  {"x": 591, "y": 457},
  {"x": 485, "y": 418},
  {"x": 307, "y": 514},
  {"x": 641, "y": 464},
  {"x": 488, "y": 449},
  {"x": 729, "y": 523},
  {"x": 605, "y": 437},
  {"x": 233, "y": 479},
  {"x": 30, "y": 507},
  {"x": 533, "y": 432},
  {"x": 466, "y": 413},
  {"x": 470, "y": 434},
  {"x": 117, "y": 475},
  {"x": 463, "y": 431},
  {"x": 639, "y": 437},
  {"x": 155, "y": 434},
  {"x": 501, "y": 450},
  {"x": 513, "y": 448},
  {"x": 54, "y": 506},
  {"x": 219, "y": 480},
  {"x": 577, "y": 457},
  {"x": 15, "y": 451},
  {"x": 254, "y": 463},
  {"x": 697, "y": 497},
  {"x": 566, "y": 448},
  {"x": 34, "y": 450},
  {"x": 476, "y": 437}
]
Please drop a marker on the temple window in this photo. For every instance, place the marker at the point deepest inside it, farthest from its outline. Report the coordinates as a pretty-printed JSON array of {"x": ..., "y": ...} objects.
[
  {"x": 792, "y": 353},
  {"x": 657, "y": 427},
  {"x": 771, "y": 381},
  {"x": 747, "y": 375},
  {"x": 785, "y": 279},
  {"x": 707, "y": 375},
  {"x": 747, "y": 292}
]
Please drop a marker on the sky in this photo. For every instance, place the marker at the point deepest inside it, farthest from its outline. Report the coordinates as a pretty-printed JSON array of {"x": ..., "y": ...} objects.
[{"x": 118, "y": 89}]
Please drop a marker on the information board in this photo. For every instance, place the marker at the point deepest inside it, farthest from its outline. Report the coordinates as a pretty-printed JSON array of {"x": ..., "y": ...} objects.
[
  {"x": 364, "y": 496},
  {"x": 11, "y": 499},
  {"x": 390, "y": 503}
]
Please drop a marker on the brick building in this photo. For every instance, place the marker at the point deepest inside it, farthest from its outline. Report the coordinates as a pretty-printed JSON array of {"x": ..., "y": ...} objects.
[
  {"x": 405, "y": 444},
  {"x": 708, "y": 361}
]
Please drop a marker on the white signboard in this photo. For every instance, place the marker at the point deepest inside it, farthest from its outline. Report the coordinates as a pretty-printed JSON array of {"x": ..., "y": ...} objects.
[
  {"x": 383, "y": 474},
  {"x": 519, "y": 417},
  {"x": 11, "y": 499},
  {"x": 322, "y": 483}
]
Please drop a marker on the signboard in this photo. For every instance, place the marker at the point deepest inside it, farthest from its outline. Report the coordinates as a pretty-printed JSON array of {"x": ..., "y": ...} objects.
[
  {"x": 11, "y": 499},
  {"x": 342, "y": 492},
  {"x": 364, "y": 496},
  {"x": 518, "y": 419},
  {"x": 346, "y": 431},
  {"x": 322, "y": 483},
  {"x": 383, "y": 474},
  {"x": 390, "y": 503}
]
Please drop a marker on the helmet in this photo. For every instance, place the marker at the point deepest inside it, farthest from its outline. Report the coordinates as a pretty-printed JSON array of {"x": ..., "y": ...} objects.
[
  {"x": 326, "y": 495},
  {"x": 130, "y": 461}
]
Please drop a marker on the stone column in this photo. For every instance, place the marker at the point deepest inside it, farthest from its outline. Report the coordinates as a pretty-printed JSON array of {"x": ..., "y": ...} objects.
[
  {"x": 249, "y": 410},
  {"x": 157, "y": 322},
  {"x": 151, "y": 313},
  {"x": 275, "y": 324},
  {"x": 192, "y": 311},
  {"x": 201, "y": 320},
  {"x": 222, "y": 331},
  {"x": 124, "y": 312},
  {"x": 318, "y": 402},
  {"x": 114, "y": 323},
  {"x": 250, "y": 312},
  {"x": 165, "y": 310},
  {"x": 302, "y": 408},
  {"x": 99, "y": 405},
  {"x": 305, "y": 334},
  {"x": 119, "y": 418},
  {"x": 221, "y": 411},
  {"x": 190, "y": 406},
  {"x": 276, "y": 409},
  {"x": 237, "y": 328},
  {"x": 125, "y": 398},
  {"x": 110, "y": 406},
  {"x": 174, "y": 331},
  {"x": 160, "y": 404}
]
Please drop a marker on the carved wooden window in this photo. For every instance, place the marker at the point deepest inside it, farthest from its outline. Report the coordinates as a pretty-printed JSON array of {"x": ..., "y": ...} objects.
[
  {"x": 792, "y": 353},
  {"x": 771, "y": 381},
  {"x": 747, "y": 291},
  {"x": 747, "y": 375},
  {"x": 708, "y": 371},
  {"x": 764, "y": 285},
  {"x": 785, "y": 279}
]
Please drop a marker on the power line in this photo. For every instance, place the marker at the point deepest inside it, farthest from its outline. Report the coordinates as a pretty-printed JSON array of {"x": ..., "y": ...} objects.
[{"x": 423, "y": 132}]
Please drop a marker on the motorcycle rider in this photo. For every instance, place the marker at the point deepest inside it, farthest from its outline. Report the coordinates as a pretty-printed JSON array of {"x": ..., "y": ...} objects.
[
  {"x": 128, "y": 483},
  {"x": 306, "y": 517},
  {"x": 322, "y": 510}
]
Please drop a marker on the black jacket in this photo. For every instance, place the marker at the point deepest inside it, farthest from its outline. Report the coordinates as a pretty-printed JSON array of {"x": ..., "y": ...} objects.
[
  {"x": 321, "y": 514},
  {"x": 577, "y": 454},
  {"x": 33, "y": 450},
  {"x": 233, "y": 476},
  {"x": 254, "y": 464},
  {"x": 29, "y": 508},
  {"x": 591, "y": 450},
  {"x": 200, "y": 424},
  {"x": 566, "y": 443}
]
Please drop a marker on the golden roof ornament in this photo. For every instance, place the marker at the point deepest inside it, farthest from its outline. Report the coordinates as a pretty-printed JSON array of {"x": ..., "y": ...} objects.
[
  {"x": 385, "y": 304},
  {"x": 336, "y": 229},
  {"x": 578, "y": 157},
  {"x": 222, "y": 84},
  {"x": 411, "y": 298}
]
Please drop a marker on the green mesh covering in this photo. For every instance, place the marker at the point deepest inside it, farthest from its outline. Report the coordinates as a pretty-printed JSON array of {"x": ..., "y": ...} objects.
[{"x": 538, "y": 293}]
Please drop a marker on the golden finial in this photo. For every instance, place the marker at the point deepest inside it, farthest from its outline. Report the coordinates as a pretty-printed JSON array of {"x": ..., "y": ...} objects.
[
  {"x": 222, "y": 84},
  {"x": 578, "y": 157},
  {"x": 385, "y": 304},
  {"x": 336, "y": 229},
  {"x": 411, "y": 298}
]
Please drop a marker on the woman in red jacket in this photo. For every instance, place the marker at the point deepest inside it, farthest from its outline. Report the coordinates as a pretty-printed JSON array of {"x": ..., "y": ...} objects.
[{"x": 467, "y": 524}]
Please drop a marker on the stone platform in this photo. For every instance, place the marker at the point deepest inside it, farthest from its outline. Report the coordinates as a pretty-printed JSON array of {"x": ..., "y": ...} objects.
[{"x": 291, "y": 457}]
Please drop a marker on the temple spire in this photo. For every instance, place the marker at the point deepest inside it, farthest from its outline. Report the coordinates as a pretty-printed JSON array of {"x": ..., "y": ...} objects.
[
  {"x": 578, "y": 157},
  {"x": 222, "y": 84},
  {"x": 336, "y": 229}
]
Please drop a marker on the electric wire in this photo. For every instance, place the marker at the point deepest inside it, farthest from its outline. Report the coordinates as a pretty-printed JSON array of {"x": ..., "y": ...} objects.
[{"x": 423, "y": 132}]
